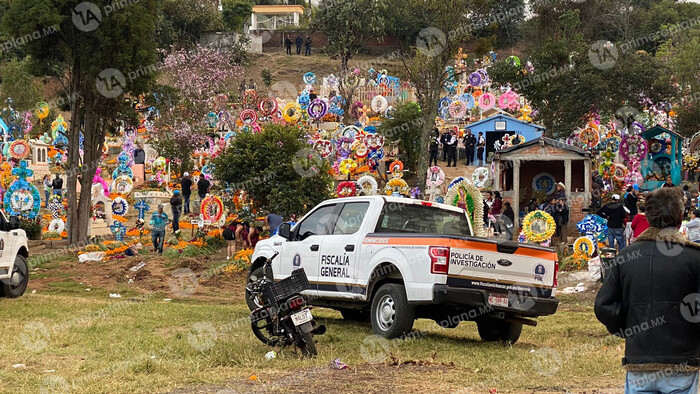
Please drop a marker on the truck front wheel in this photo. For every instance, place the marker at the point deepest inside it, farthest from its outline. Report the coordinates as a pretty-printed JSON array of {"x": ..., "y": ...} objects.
[
  {"x": 391, "y": 314},
  {"x": 492, "y": 330},
  {"x": 17, "y": 284}
]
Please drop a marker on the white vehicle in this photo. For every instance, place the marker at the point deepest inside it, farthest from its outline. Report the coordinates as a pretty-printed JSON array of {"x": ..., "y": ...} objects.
[
  {"x": 392, "y": 260},
  {"x": 14, "y": 271}
]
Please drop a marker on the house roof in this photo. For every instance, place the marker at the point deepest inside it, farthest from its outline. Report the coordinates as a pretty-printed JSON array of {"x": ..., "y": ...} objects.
[
  {"x": 506, "y": 117},
  {"x": 548, "y": 141},
  {"x": 278, "y": 9},
  {"x": 656, "y": 130}
]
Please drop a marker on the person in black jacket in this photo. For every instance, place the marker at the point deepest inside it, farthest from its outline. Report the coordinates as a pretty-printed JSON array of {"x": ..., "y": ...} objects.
[
  {"x": 57, "y": 185},
  {"x": 650, "y": 298},
  {"x": 452, "y": 150},
  {"x": 186, "y": 185},
  {"x": 508, "y": 218},
  {"x": 615, "y": 212},
  {"x": 434, "y": 145},
  {"x": 469, "y": 145},
  {"x": 307, "y": 46},
  {"x": 444, "y": 139},
  {"x": 298, "y": 41},
  {"x": 176, "y": 208},
  {"x": 631, "y": 202},
  {"x": 288, "y": 44}
]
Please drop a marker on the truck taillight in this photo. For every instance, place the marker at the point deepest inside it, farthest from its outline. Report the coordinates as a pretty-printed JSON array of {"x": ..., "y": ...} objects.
[
  {"x": 556, "y": 273},
  {"x": 439, "y": 259}
]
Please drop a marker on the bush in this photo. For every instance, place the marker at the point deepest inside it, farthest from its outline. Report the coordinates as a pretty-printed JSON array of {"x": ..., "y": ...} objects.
[{"x": 31, "y": 226}]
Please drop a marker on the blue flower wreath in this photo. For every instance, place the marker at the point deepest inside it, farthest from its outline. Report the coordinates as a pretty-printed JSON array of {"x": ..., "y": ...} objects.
[{"x": 21, "y": 185}]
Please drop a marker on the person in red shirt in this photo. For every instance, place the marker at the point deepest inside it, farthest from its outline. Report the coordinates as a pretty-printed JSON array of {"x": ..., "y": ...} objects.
[
  {"x": 254, "y": 236},
  {"x": 639, "y": 223}
]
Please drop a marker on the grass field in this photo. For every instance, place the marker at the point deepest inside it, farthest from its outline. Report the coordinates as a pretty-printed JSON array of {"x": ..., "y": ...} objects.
[{"x": 73, "y": 340}]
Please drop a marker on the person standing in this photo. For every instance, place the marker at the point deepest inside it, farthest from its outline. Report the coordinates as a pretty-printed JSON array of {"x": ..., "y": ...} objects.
[
  {"x": 274, "y": 221},
  {"x": 186, "y": 185},
  {"x": 452, "y": 150},
  {"x": 307, "y": 46},
  {"x": 687, "y": 200},
  {"x": 669, "y": 182},
  {"x": 639, "y": 223},
  {"x": 203, "y": 186},
  {"x": 159, "y": 220},
  {"x": 596, "y": 189},
  {"x": 298, "y": 41},
  {"x": 480, "y": 148},
  {"x": 229, "y": 235},
  {"x": 433, "y": 147},
  {"x": 57, "y": 186},
  {"x": 176, "y": 208},
  {"x": 631, "y": 200},
  {"x": 469, "y": 145},
  {"x": 650, "y": 301},
  {"x": 508, "y": 220},
  {"x": 615, "y": 212},
  {"x": 46, "y": 182},
  {"x": 496, "y": 208},
  {"x": 444, "y": 139},
  {"x": 694, "y": 226},
  {"x": 288, "y": 44},
  {"x": 139, "y": 164}
]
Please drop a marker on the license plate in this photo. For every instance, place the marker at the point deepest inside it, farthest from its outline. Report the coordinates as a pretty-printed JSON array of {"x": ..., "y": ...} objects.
[
  {"x": 497, "y": 300},
  {"x": 302, "y": 317}
]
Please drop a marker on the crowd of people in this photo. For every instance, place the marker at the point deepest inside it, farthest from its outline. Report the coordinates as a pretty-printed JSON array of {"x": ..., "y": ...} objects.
[
  {"x": 298, "y": 41},
  {"x": 469, "y": 146}
]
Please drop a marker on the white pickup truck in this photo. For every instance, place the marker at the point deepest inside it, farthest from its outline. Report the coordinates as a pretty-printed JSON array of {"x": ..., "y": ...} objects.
[
  {"x": 14, "y": 270},
  {"x": 392, "y": 260}
]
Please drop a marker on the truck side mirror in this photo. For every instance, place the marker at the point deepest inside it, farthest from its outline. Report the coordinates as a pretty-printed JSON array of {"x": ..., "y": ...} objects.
[
  {"x": 285, "y": 231},
  {"x": 14, "y": 222}
]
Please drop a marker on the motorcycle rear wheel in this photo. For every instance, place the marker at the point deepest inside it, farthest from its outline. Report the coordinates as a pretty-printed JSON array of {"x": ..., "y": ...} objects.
[{"x": 305, "y": 343}]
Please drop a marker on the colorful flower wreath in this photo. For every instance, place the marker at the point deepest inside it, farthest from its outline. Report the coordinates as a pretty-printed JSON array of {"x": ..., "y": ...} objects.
[
  {"x": 291, "y": 112},
  {"x": 123, "y": 184},
  {"x": 620, "y": 172},
  {"x": 368, "y": 184},
  {"x": 397, "y": 185},
  {"x": 690, "y": 162},
  {"x": 474, "y": 203},
  {"x": 317, "y": 109},
  {"x": 396, "y": 168},
  {"x": 435, "y": 177},
  {"x": 458, "y": 109},
  {"x": 120, "y": 206},
  {"x": 346, "y": 189},
  {"x": 589, "y": 137},
  {"x": 379, "y": 104},
  {"x": 543, "y": 235},
  {"x": 19, "y": 149},
  {"x": 347, "y": 166},
  {"x": 593, "y": 226},
  {"x": 633, "y": 147},
  {"x": 657, "y": 147},
  {"x": 584, "y": 247},
  {"x": 22, "y": 198},
  {"x": 212, "y": 208},
  {"x": 480, "y": 176}
]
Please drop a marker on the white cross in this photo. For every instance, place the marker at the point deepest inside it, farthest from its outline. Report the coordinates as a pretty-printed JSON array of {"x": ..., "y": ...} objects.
[{"x": 201, "y": 222}]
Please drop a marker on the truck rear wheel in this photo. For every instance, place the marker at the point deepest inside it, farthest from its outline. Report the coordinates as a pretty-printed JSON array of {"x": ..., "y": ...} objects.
[
  {"x": 17, "y": 284},
  {"x": 391, "y": 314},
  {"x": 492, "y": 330}
]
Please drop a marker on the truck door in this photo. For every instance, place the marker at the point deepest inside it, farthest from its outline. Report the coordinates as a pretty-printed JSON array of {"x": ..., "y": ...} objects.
[
  {"x": 304, "y": 249},
  {"x": 338, "y": 263}
]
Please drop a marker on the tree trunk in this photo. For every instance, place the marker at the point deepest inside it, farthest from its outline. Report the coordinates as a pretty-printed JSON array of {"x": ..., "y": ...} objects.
[
  {"x": 73, "y": 160},
  {"x": 429, "y": 111}
]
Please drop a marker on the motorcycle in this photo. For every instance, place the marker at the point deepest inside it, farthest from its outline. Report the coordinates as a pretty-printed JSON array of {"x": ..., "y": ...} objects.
[{"x": 283, "y": 318}]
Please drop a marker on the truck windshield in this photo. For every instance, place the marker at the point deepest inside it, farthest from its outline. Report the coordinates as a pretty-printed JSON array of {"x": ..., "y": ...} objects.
[{"x": 409, "y": 218}]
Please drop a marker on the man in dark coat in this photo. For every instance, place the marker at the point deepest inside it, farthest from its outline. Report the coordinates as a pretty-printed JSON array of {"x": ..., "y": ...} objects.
[
  {"x": 615, "y": 211},
  {"x": 444, "y": 139},
  {"x": 176, "y": 208},
  {"x": 433, "y": 147},
  {"x": 186, "y": 185},
  {"x": 650, "y": 298},
  {"x": 288, "y": 44},
  {"x": 298, "y": 41},
  {"x": 469, "y": 146},
  {"x": 307, "y": 46}
]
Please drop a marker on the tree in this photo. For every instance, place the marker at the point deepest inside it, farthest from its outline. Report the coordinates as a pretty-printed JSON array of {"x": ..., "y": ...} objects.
[
  {"x": 348, "y": 25},
  {"x": 182, "y": 22},
  {"x": 236, "y": 13},
  {"x": 18, "y": 83},
  {"x": 431, "y": 33},
  {"x": 272, "y": 168},
  {"x": 92, "y": 56},
  {"x": 500, "y": 20},
  {"x": 405, "y": 127}
]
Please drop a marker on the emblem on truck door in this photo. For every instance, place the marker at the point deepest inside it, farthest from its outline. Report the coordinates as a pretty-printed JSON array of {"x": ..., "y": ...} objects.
[
  {"x": 539, "y": 272},
  {"x": 297, "y": 260},
  {"x": 505, "y": 262}
]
